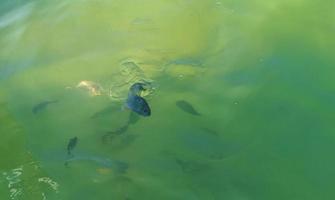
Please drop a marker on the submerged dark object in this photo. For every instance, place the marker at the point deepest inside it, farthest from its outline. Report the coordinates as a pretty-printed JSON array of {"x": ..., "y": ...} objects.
[
  {"x": 187, "y": 107},
  {"x": 132, "y": 119},
  {"x": 136, "y": 88},
  {"x": 72, "y": 143},
  {"x": 137, "y": 103},
  {"x": 41, "y": 106},
  {"x": 118, "y": 131}
]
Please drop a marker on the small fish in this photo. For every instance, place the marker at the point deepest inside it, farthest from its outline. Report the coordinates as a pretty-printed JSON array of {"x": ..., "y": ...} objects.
[
  {"x": 187, "y": 107},
  {"x": 72, "y": 143},
  {"x": 41, "y": 106}
]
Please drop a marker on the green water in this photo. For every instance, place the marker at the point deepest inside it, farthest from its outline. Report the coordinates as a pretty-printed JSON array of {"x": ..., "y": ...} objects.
[{"x": 259, "y": 72}]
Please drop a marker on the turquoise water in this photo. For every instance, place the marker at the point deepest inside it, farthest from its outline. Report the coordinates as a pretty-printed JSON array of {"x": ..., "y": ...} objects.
[{"x": 260, "y": 73}]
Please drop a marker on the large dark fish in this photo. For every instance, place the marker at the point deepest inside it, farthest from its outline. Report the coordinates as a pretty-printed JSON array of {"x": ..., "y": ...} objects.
[
  {"x": 41, "y": 106},
  {"x": 187, "y": 107},
  {"x": 137, "y": 103},
  {"x": 72, "y": 143}
]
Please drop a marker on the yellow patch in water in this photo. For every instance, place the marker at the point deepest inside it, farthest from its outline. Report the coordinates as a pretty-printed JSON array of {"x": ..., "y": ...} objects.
[
  {"x": 104, "y": 171},
  {"x": 93, "y": 88}
]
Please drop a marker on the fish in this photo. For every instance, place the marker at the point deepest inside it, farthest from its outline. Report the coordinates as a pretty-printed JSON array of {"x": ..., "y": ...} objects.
[
  {"x": 187, "y": 107},
  {"x": 137, "y": 103},
  {"x": 132, "y": 119},
  {"x": 136, "y": 88},
  {"x": 41, "y": 106},
  {"x": 72, "y": 143}
]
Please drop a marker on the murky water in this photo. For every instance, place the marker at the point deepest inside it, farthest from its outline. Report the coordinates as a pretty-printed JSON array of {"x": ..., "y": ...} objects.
[{"x": 241, "y": 95}]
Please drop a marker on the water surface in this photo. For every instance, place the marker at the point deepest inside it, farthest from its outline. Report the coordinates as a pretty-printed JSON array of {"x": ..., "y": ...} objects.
[{"x": 259, "y": 72}]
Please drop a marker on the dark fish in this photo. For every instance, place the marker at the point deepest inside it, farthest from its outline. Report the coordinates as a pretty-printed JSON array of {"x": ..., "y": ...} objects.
[
  {"x": 133, "y": 118},
  {"x": 136, "y": 88},
  {"x": 187, "y": 107},
  {"x": 41, "y": 106},
  {"x": 72, "y": 143},
  {"x": 139, "y": 105}
]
